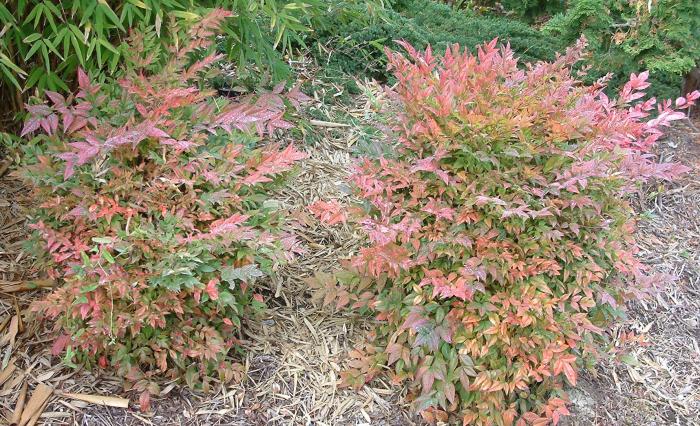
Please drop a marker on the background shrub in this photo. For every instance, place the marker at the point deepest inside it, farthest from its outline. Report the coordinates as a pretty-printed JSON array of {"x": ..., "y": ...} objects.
[
  {"x": 153, "y": 214},
  {"x": 358, "y": 48},
  {"x": 527, "y": 10},
  {"x": 500, "y": 238},
  {"x": 630, "y": 36},
  {"x": 625, "y": 36}
]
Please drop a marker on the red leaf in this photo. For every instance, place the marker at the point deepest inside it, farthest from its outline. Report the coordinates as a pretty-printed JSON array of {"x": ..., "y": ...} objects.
[
  {"x": 145, "y": 401},
  {"x": 59, "y": 344},
  {"x": 31, "y": 125},
  {"x": 83, "y": 79},
  {"x": 329, "y": 212},
  {"x": 212, "y": 289},
  {"x": 570, "y": 373},
  {"x": 394, "y": 350}
]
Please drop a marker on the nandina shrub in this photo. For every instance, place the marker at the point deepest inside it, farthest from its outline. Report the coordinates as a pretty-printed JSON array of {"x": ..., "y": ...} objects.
[
  {"x": 153, "y": 209},
  {"x": 500, "y": 238}
]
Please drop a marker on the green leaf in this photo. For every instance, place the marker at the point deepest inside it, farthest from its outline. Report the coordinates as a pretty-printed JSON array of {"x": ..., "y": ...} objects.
[
  {"x": 107, "y": 256},
  {"x": 35, "y": 48},
  {"x": 9, "y": 76},
  {"x": 246, "y": 273},
  {"x": 630, "y": 360},
  {"x": 11, "y": 65},
  {"x": 189, "y": 16},
  {"x": 89, "y": 288},
  {"x": 32, "y": 38},
  {"x": 104, "y": 7},
  {"x": 108, "y": 45},
  {"x": 103, "y": 240}
]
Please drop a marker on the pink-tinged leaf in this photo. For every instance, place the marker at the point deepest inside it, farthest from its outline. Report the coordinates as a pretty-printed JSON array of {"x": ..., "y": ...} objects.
[
  {"x": 56, "y": 98},
  {"x": 279, "y": 88},
  {"x": 394, "y": 350},
  {"x": 154, "y": 132},
  {"x": 570, "y": 373},
  {"x": 230, "y": 224},
  {"x": 415, "y": 321},
  {"x": 60, "y": 344},
  {"x": 329, "y": 212},
  {"x": 450, "y": 392},
  {"x": 67, "y": 121},
  {"x": 212, "y": 289},
  {"x": 142, "y": 110},
  {"x": 297, "y": 97},
  {"x": 273, "y": 162},
  {"x": 85, "y": 151},
  {"x": 145, "y": 401},
  {"x": 605, "y": 297},
  {"x": 180, "y": 145},
  {"x": 83, "y": 79},
  {"x": 427, "y": 380},
  {"x": 30, "y": 126},
  {"x": 84, "y": 310}
]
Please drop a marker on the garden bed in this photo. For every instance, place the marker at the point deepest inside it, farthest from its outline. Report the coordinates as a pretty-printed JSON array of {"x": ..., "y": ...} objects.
[{"x": 295, "y": 353}]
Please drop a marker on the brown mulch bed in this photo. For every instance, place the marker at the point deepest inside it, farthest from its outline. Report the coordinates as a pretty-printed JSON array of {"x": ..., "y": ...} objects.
[{"x": 294, "y": 354}]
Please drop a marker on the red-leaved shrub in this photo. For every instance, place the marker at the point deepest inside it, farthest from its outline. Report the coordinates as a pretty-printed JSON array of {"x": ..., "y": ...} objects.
[
  {"x": 152, "y": 208},
  {"x": 501, "y": 239}
]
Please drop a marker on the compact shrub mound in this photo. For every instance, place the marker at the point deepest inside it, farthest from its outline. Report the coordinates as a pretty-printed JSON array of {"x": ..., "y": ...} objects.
[
  {"x": 153, "y": 211},
  {"x": 500, "y": 238}
]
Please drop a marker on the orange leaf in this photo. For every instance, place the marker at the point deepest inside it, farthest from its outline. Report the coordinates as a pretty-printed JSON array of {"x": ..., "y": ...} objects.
[{"x": 570, "y": 374}]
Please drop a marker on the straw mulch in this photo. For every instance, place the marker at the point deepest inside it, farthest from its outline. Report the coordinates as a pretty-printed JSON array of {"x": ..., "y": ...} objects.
[{"x": 294, "y": 354}]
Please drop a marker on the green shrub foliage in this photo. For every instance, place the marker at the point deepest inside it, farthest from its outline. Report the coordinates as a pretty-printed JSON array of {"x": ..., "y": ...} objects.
[
  {"x": 357, "y": 48},
  {"x": 629, "y": 36},
  {"x": 153, "y": 213},
  {"x": 500, "y": 237},
  {"x": 527, "y": 10}
]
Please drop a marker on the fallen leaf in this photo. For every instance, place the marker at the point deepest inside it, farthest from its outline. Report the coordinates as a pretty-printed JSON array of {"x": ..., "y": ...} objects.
[
  {"x": 36, "y": 404},
  {"x": 18, "y": 286},
  {"x": 19, "y": 407},
  {"x": 110, "y": 401},
  {"x": 11, "y": 334},
  {"x": 7, "y": 373}
]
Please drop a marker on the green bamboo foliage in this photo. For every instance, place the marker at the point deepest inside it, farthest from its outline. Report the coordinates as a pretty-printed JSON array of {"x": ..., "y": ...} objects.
[{"x": 42, "y": 42}]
